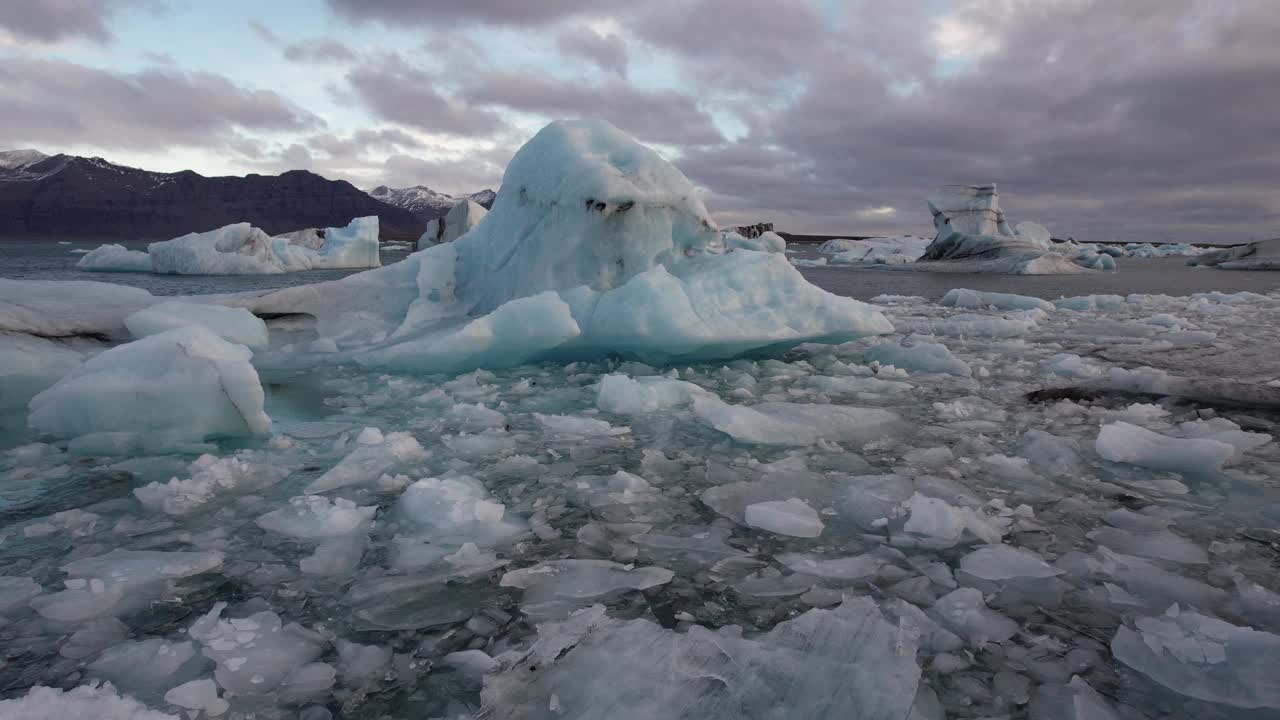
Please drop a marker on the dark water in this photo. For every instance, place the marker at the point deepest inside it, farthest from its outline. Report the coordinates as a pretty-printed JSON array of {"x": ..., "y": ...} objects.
[{"x": 45, "y": 260}]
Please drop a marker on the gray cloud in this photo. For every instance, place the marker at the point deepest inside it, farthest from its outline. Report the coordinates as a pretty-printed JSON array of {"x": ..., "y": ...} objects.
[
  {"x": 60, "y": 103},
  {"x": 363, "y": 141},
  {"x": 54, "y": 20},
  {"x": 446, "y": 12},
  {"x": 653, "y": 116},
  {"x": 319, "y": 50},
  {"x": 1138, "y": 121},
  {"x": 400, "y": 93},
  {"x": 608, "y": 52}
]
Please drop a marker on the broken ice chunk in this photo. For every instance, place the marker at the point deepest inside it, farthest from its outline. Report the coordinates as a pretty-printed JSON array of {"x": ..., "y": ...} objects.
[
  {"x": 633, "y": 396},
  {"x": 86, "y": 701},
  {"x": 784, "y": 423},
  {"x": 372, "y": 457},
  {"x": 315, "y": 517},
  {"x": 1203, "y": 657},
  {"x": 965, "y": 613},
  {"x": 1122, "y": 442},
  {"x": 199, "y": 694},
  {"x": 254, "y": 654},
  {"x": 639, "y": 670},
  {"x": 455, "y": 510},
  {"x": 1005, "y": 562},
  {"x": 582, "y": 579},
  {"x": 792, "y": 516}
]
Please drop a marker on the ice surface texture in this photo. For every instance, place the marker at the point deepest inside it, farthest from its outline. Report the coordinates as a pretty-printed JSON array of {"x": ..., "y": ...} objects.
[{"x": 595, "y": 245}]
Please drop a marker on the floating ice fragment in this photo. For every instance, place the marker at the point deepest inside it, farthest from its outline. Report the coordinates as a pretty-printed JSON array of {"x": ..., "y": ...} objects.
[
  {"x": 374, "y": 455},
  {"x": 640, "y": 670},
  {"x": 1123, "y": 442},
  {"x": 86, "y": 701},
  {"x": 582, "y": 579},
  {"x": 964, "y": 612},
  {"x": 1203, "y": 657},
  {"x": 1005, "y": 562},
  {"x": 792, "y": 516},
  {"x": 784, "y": 423},
  {"x": 976, "y": 300},
  {"x": 315, "y": 517},
  {"x": 199, "y": 694}
]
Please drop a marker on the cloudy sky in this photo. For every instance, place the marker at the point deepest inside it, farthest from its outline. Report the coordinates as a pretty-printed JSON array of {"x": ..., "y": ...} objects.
[{"x": 1105, "y": 119}]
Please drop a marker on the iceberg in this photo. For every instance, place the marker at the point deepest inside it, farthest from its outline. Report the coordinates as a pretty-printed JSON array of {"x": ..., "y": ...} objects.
[
  {"x": 595, "y": 246},
  {"x": 460, "y": 220},
  {"x": 1261, "y": 255},
  {"x": 183, "y": 385},
  {"x": 974, "y": 236},
  {"x": 115, "y": 258},
  {"x": 241, "y": 249}
]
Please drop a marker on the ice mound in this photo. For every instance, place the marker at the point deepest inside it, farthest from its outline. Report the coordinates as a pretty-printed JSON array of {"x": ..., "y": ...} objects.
[
  {"x": 591, "y": 666},
  {"x": 66, "y": 308},
  {"x": 454, "y": 511},
  {"x": 767, "y": 241},
  {"x": 86, "y": 701},
  {"x": 183, "y": 385},
  {"x": 633, "y": 396},
  {"x": 235, "y": 325},
  {"x": 595, "y": 246},
  {"x": 460, "y": 220},
  {"x": 1203, "y": 657},
  {"x": 1261, "y": 255},
  {"x": 974, "y": 236},
  {"x": 115, "y": 258},
  {"x": 241, "y": 249}
]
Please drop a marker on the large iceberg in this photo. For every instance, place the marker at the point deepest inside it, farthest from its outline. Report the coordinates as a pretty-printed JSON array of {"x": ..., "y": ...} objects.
[
  {"x": 595, "y": 245},
  {"x": 183, "y": 385},
  {"x": 460, "y": 220},
  {"x": 974, "y": 236},
  {"x": 241, "y": 249}
]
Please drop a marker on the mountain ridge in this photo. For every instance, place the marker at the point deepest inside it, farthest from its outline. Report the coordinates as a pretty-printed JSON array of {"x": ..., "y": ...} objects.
[{"x": 75, "y": 197}]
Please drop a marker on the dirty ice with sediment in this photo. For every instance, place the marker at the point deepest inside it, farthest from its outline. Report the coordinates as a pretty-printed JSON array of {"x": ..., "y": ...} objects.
[{"x": 595, "y": 458}]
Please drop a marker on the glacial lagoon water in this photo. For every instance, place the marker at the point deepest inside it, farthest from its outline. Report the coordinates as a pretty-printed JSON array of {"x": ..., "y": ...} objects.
[
  {"x": 525, "y": 544},
  {"x": 44, "y": 260}
]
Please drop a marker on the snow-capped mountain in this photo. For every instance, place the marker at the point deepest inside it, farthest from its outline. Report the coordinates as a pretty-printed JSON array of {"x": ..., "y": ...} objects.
[
  {"x": 426, "y": 203},
  {"x": 18, "y": 159}
]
